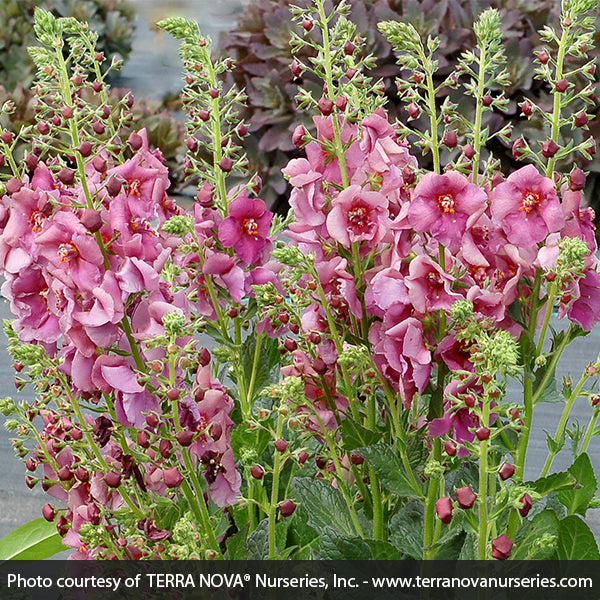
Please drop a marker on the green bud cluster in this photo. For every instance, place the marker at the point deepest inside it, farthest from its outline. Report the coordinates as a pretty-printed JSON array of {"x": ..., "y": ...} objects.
[
  {"x": 179, "y": 225},
  {"x": 174, "y": 323}
]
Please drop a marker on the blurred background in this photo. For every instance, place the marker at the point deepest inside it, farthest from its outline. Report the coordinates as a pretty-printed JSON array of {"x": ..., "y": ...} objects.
[{"x": 255, "y": 34}]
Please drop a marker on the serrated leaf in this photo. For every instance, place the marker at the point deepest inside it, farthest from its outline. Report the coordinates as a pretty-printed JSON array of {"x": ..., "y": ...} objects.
[
  {"x": 236, "y": 545},
  {"x": 525, "y": 548},
  {"x": 389, "y": 469},
  {"x": 258, "y": 540},
  {"x": 576, "y": 540},
  {"x": 406, "y": 530},
  {"x": 556, "y": 482},
  {"x": 355, "y": 435},
  {"x": 35, "y": 540},
  {"x": 382, "y": 550},
  {"x": 550, "y": 392},
  {"x": 262, "y": 369},
  {"x": 324, "y": 505},
  {"x": 334, "y": 545},
  {"x": 578, "y": 500}
]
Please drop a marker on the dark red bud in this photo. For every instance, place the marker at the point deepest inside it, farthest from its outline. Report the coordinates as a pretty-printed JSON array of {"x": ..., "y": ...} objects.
[
  {"x": 151, "y": 419},
  {"x": 99, "y": 163},
  {"x": 165, "y": 448},
  {"x": 185, "y": 437},
  {"x": 65, "y": 473},
  {"x": 577, "y": 179},
  {"x": 487, "y": 100},
  {"x": 413, "y": 110},
  {"x": 213, "y": 93},
  {"x": 517, "y": 148},
  {"x": 465, "y": 497},
  {"x": 66, "y": 175},
  {"x": 468, "y": 151},
  {"x": 349, "y": 48},
  {"x": 31, "y": 161},
  {"x": 356, "y": 459},
  {"x": 319, "y": 366},
  {"x": 506, "y": 471},
  {"x": 320, "y": 462},
  {"x": 527, "y": 504},
  {"x": 112, "y": 479},
  {"x": 85, "y": 149},
  {"x": 562, "y": 85},
  {"x": 469, "y": 400},
  {"x": 7, "y": 137},
  {"x": 135, "y": 141},
  {"x": 303, "y": 457},
  {"x": 204, "y": 357},
  {"x": 82, "y": 474},
  {"x": 56, "y": 120},
  {"x": 581, "y": 119},
  {"x": 113, "y": 187},
  {"x": 450, "y": 139},
  {"x": 203, "y": 115},
  {"x": 314, "y": 337},
  {"x": 143, "y": 439},
  {"x": 307, "y": 24},
  {"x": 226, "y": 164},
  {"x": 502, "y": 547},
  {"x": 482, "y": 433},
  {"x": 173, "y": 394},
  {"x": 296, "y": 68},
  {"x": 290, "y": 345},
  {"x": 96, "y": 86},
  {"x": 242, "y": 130},
  {"x": 443, "y": 508},
  {"x": 298, "y": 136},
  {"x": 281, "y": 445},
  {"x": 287, "y": 508},
  {"x": 172, "y": 477},
  {"x": 325, "y": 106},
  {"x": 43, "y": 127},
  {"x": 351, "y": 73},
  {"x": 91, "y": 220},
  {"x": 98, "y": 127},
  {"x": 543, "y": 56},
  {"x": 526, "y": 108},
  {"x": 341, "y": 102},
  {"x": 66, "y": 111},
  {"x": 13, "y": 185},
  {"x": 48, "y": 512},
  {"x": 257, "y": 472},
  {"x": 450, "y": 447},
  {"x": 550, "y": 148}
]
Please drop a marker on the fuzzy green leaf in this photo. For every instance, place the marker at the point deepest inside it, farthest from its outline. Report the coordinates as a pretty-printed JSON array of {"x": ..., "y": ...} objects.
[
  {"x": 576, "y": 540},
  {"x": 578, "y": 500},
  {"x": 35, "y": 540}
]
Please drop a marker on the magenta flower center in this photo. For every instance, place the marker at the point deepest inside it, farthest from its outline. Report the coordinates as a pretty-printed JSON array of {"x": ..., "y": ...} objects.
[
  {"x": 446, "y": 203},
  {"x": 36, "y": 221},
  {"x": 67, "y": 252},
  {"x": 358, "y": 217},
  {"x": 529, "y": 202},
  {"x": 250, "y": 227},
  {"x": 436, "y": 283}
]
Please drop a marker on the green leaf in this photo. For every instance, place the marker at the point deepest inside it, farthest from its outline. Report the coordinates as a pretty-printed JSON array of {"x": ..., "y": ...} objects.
[
  {"x": 406, "y": 530},
  {"x": 527, "y": 546},
  {"x": 355, "y": 435},
  {"x": 383, "y": 550},
  {"x": 262, "y": 370},
  {"x": 578, "y": 500},
  {"x": 557, "y": 482},
  {"x": 301, "y": 534},
  {"x": 236, "y": 545},
  {"x": 550, "y": 393},
  {"x": 576, "y": 540},
  {"x": 389, "y": 469},
  {"x": 35, "y": 540},
  {"x": 324, "y": 505},
  {"x": 258, "y": 540},
  {"x": 334, "y": 545}
]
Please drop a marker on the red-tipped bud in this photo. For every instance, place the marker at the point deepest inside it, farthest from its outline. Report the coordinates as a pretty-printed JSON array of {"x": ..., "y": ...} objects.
[
  {"x": 296, "y": 68},
  {"x": 469, "y": 400},
  {"x": 487, "y": 100},
  {"x": 349, "y": 48},
  {"x": 468, "y": 151},
  {"x": 204, "y": 357},
  {"x": 82, "y": 474},
  {"x": 143, "y": 438},
  {"x": 91, "y": 219},
  {"x": 562, "y": 85},
  {"x": 443, "y": 508},
  {"x": 502, "y": 547},
  {"x": 506, "y": 471},
  {"x": 307, "y": 24},
  {"x": 203, "y": 115},
  {"x": 314, "y": 337},
  {"x": 66, "y": 111},
  {"x": 66, "y": 175},
  {"x": 31, "y": 464},
  {"x": 99, "y": 164},
  {"x": 413, "y": 110},
  {"x": 543, "y": 56},
  {"x": 226, "y": 164},
  {"x": 151, "y": 419},
  {"x": 173, "y": 394},
  {"x": 341, "y": 102},
  {"x": 98, "y": 127},
  {"x": 526, "y": 108},
  {"x": 319, "y": 366},
  {"x": 135, "y": 141},
  {"x": 65, "y": 473},
  {"x": 290, "y": 345},
  {"x": 298, "y": 137},
  {"x": 31, "y": 161},
  {"x": 287, "y": 508},
  {"x": 165, "y": 447},
  {"x": 517, "y": 148},
  {"x": 356, "y": 459},
  {"x": 43, "y": 127},
  {"x": 581, "y": 119},
  {"x": 465, "y": 497}
]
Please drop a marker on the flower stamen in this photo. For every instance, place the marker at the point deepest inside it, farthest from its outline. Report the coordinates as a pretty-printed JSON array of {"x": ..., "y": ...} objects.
[{"x": 446, "y": 203}]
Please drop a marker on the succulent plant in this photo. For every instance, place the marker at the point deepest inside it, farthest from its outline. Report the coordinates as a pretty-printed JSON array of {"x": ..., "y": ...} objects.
[
  {"x": 111, "y": 19},
  {"x": 260, "y": 48}
]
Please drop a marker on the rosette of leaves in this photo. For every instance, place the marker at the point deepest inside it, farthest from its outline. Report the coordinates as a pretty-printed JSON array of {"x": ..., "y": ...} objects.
[
  {"x": 111, "y": 19},
  {"x": 259, "y": 45}
]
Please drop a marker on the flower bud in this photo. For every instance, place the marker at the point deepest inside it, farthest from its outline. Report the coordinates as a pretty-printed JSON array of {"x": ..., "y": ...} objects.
[
  {"x": 465, "y": 497},
  {"x": 487, "y": 100},
  {"x": 48, "y": 512},
  {"x": 43, "y": 127},
  {"x": 562, "y": 85},
  {"x": 450, "y": 447},
  {"x": 287, "y": 508},
  {"x": 13, "y": 185},
  {"x": 517, "y": 148},
  {"x": 468, "y": 151},
  {"x": 99, "y": 164},
  {"x": 506, "y": 471},
  {"x": 502, "y": 547},
  {"x": 482, "y": 433},
  {"x": 319, "y": 366},
  {"x": 112, "y": 479},
  {"x": 66, "y": 111},
  {"x": 314, "y": 337},
  {"x": 443, "y": 508},
  {"x": 281, "y": 445},
  {"x": 226, "y": 164},
  {"x": 349, "y": 48},
  {"x": 204, "y": 357},
  {"x": 526, "y": 505},
  {"x": 302, "y": 457},
  {"x": 577, "y": 179},
  {"x": 296, "y": 68},
  {"x": 550, "y": 148},
  {"x": 307, "y": 24},
  {"x": 356, "y": 459},
  {"x": 341, "y": 102},
  {"x": 82, "y": 474},
  {"x": 165, "y": 447},
  {"x": 185, "y": 437},
  {"x": 526, "y": 108},
  {"x": 98, "y": 127},
  {"x": 325, "y": 106},
  {"x": 91, "y": 219},
  {"x": 257, "y": 472},
  {"x": 581, "y": 119},
  {"x": 450, "y": 139},
  {"x": 172, "y": 477}
]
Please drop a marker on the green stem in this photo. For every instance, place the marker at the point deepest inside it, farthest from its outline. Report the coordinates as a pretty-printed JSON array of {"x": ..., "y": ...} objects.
[
  {"x": 432, "y": 498},
  {"x": 589, "y": 432},
  {"x": 478, "y": 115},
  {"x": 483, "y": 484},
  {"x": 275, "y": 493},
  {"x": 549, "y": 308}
]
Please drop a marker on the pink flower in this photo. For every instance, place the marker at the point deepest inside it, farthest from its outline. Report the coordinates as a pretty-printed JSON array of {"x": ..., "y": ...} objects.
[
  {"x": 527, "y": 207},
  {"x": 446, "y": 206},
  {"x": 246, "y": 229},
  {"x": 358, "y": 216},
  {"x": 307, "y": 198},
  {"x": 586, "y": 309}
]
